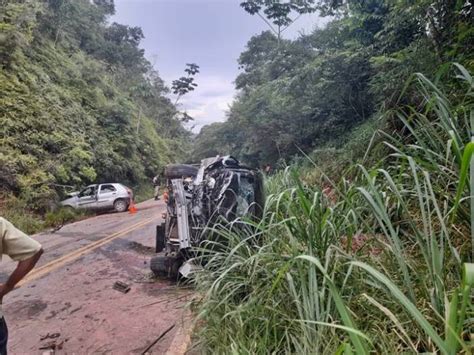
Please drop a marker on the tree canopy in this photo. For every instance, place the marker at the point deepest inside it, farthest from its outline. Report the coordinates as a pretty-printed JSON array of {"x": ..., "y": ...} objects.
[{"x": 299, "y": 95}]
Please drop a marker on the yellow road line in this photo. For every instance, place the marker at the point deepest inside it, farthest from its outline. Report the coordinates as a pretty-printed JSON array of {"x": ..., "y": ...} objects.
[{"x": 65, "y": 259}]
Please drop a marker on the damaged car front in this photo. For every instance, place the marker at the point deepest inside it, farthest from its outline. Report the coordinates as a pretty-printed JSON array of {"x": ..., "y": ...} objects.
[{"x": 221, "y": 189}]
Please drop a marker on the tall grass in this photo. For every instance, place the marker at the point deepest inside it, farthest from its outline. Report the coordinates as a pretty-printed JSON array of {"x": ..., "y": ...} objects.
[{"x": 374, "y": 264}]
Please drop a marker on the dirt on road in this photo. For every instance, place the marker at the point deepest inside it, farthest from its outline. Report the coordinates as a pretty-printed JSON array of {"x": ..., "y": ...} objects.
[{"x": 68, "y": 302}]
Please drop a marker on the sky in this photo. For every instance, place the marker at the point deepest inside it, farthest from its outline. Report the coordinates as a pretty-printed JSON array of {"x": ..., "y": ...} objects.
[{"x": 210, "y": 33}]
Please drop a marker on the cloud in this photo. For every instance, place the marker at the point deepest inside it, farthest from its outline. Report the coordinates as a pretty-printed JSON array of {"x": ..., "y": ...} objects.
[{"x": 209, "y": 102}]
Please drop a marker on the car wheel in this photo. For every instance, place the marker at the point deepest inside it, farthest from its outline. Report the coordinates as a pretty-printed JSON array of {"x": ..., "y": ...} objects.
[
  {"x": 176, "y": 171},
  {"x": 120, "y": 205}
]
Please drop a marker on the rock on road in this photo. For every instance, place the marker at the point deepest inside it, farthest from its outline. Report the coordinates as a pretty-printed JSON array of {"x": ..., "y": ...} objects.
[{"x": 70, "y": 292}]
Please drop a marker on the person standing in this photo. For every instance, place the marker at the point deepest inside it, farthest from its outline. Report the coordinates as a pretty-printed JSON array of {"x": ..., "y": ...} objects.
[
  {"x": 26, "y": 251},
  {"x": 156, "y": 184},
  {"x": 267, "y": 169}
]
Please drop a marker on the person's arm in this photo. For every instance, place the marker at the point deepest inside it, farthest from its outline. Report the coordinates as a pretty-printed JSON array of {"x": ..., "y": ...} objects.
[
  {"x": 23, "y": 268},
  {"x": 19, "y": 247}
]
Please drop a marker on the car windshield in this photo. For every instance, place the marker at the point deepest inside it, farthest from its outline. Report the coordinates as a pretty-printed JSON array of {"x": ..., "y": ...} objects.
[
  {"x": 246, "y": 195},
  {"x": 238, "y": 197}
]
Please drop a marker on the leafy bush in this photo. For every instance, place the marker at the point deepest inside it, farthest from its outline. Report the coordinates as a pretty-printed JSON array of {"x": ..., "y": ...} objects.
[
  {"x": 17, "y": 212},
  {"x": 63, "y": 215}
]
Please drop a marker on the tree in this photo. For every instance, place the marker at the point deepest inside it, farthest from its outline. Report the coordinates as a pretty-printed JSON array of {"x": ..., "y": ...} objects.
[
  {"x": 278, "y": 15},
  {"x": 141, "y": 92},
  {"x": 183, "y": 86},
  {"x": 266, "y": 59},
  {"x": 107, "y": 6}
]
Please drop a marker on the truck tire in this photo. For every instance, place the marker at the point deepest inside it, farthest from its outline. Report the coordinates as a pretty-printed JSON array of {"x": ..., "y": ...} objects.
[
  {"x": 166, "y": 266},
  {"x": 159, "y": 265},
  {"x": 174, "y": 274},
  {"x": 176, "y": 171}
]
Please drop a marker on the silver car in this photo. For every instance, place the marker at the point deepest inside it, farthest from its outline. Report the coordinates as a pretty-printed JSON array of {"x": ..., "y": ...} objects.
[{"x": 101, "y": 197}]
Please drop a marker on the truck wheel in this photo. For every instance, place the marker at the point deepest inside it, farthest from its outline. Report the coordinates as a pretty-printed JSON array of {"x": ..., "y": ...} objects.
[
  {"x": 159, "y": 265},
  {"x": 166, "y": 266},
  {"x": 120, "y": 205},
  {"x": 177, "y": 171},
  {"x": 174, "y": 269}
]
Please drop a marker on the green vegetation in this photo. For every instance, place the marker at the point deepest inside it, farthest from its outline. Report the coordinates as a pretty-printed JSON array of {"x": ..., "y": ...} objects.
[
  {"x": 20, "y": 214},
  {"x": 310, "y": 93},
  {"x": 367, "y": 239},
  {"x": 366, "y": 243},
  {"x": 79, "y": 103},
  {"x": 371, "y": 263}
]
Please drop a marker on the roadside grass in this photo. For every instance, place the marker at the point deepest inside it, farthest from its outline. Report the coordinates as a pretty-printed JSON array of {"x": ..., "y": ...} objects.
[
  {"x": 380, "y": 261},
  {"x": 64, "y": 215},
  {"x": 21, "y": 216}
]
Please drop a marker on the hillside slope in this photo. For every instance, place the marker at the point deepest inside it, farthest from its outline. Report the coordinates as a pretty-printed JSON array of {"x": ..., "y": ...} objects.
[{"x": 79, "y": 103}]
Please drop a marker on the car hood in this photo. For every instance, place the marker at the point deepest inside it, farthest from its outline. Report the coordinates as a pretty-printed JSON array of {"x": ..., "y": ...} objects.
[{"x": 69, "y": 200}]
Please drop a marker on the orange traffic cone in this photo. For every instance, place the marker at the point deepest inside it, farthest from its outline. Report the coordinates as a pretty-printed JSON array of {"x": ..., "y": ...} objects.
[{"x": 131, "y": 208}]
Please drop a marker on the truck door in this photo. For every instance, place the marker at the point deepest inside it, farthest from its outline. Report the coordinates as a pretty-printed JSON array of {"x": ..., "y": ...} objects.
[{"x": 107, "y": 196}]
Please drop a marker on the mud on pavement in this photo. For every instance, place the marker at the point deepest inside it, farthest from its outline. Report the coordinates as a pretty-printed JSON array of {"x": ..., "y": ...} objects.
[{"x": 74, "y": 308}]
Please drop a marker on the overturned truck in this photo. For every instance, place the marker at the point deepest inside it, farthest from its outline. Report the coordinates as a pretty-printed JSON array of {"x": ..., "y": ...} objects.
[{"x": 196, "y": 197}]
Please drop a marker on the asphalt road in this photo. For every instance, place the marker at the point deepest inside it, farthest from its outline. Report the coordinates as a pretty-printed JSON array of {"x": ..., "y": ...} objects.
[{"x": 70, "y": 294}]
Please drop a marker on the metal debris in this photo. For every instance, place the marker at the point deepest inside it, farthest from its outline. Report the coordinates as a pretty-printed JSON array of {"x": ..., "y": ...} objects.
[
  {"x": 121, "y": 286},
  {"x": 157, "y": 339},
  {"x": 50, "y": 336},
  {"x": 53, "y": 345}
]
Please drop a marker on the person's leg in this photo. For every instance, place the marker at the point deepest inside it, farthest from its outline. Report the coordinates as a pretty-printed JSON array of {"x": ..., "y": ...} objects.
[
  {"x": 157, "y": 192},
  {"x": 3, "y": 337}
]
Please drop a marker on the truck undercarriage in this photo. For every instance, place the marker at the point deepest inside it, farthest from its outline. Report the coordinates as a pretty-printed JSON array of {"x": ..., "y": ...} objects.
[{"x": 221, "y": 188}]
